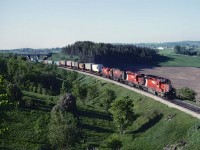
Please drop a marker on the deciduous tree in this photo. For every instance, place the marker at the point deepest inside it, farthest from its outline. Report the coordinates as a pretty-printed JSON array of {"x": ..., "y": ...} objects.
[
  {"x": 123, "y": 113},
  {"x": 108, "y": 98},
  {"x": 63, "y": 133}
]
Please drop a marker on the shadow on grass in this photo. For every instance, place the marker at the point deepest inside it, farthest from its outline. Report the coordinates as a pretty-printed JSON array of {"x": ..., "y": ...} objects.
[
  {"x": 93, "y": 114},
  {"x": 37, "y": 105},
  {"x": 148, "y": 124},
  {"x": 3, "y": 116},
  {"x": 95, "y": 128},
  {"x": 137, "y": 66},
  {"x": 4, "y": 148}
]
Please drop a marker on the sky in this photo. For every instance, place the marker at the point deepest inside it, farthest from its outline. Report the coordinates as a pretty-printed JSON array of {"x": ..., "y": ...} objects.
[{"x": 57, "y": 23}]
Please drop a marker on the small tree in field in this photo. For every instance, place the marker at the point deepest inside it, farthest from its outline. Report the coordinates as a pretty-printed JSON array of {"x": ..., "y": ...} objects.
[
  {"x": 14, "y": 94},
  {"x": 114, "y": 143},
  {"x": 63, "y": 133},
  {"x": 79, "y": 91},
  {"x": 108, "y": 98},
  {"x": 123, "y": 114},
  {"x": 186, "y": 93},
  {"x": 92, "y": 92},
  {"x": 3, "y": 95}
]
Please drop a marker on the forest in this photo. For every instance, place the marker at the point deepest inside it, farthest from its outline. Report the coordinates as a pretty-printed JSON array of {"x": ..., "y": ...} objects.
[{"x": 110, "y": 53}]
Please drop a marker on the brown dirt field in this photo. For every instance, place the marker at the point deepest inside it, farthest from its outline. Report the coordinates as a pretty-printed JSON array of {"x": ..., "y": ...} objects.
[{"x": 179, "y": 76}]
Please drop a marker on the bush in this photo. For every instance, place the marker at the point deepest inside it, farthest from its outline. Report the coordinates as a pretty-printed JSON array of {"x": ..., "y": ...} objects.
[
  {"x": 186, "y": 94},
  {"x": 27, "y": 102},
  {"x": 14, "y": 93},
  {"x": 114, "y": 143}
]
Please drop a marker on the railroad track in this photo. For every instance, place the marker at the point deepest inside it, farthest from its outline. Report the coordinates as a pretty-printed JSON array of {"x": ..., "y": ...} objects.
[
  {"x": 187, "y": 105},
  {"x": 178, "y": 104}
]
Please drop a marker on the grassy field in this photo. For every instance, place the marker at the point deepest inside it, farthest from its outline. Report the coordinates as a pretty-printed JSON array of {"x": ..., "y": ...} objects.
[
  {"x": 28, "y": 128},
  {"x": 166, "y": 51},
  {"x": 176, "y": 60}
]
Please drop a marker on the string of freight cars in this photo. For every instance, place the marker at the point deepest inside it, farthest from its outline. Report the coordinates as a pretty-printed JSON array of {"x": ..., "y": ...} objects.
[
  {"x": 125, "y": 78},
  {"x": 158, "y": 86}
]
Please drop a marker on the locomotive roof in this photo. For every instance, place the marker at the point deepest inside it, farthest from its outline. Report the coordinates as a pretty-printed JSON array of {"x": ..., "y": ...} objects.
[{"x": 157, "y": 77}]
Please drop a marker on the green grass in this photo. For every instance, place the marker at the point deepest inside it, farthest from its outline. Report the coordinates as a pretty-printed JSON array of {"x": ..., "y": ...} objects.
[
  {"x": 28, "y": 128},
  {"x": 176, "y": 60},
  {"x": 166, "y": 51},
  {"x": 180, "y": 61}
]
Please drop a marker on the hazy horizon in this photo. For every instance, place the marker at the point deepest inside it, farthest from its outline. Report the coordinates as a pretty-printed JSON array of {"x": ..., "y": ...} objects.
[{"x": 57, "y": 23}]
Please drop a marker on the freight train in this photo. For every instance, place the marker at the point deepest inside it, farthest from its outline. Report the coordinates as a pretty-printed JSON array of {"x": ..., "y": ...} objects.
[{"x": 158, "y": 86}]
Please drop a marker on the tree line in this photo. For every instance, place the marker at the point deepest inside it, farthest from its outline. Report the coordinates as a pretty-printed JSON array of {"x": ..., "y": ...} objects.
[
  {"x": 109, "y": 53},
  {"x": 186, "y": 51}
]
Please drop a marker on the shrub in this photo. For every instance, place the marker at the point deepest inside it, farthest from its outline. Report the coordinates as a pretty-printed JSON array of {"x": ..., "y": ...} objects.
[
  {"x": 186, "y": 94},
  {"x": 27, "y": 102},
  {"x": 114, "y": 143}
]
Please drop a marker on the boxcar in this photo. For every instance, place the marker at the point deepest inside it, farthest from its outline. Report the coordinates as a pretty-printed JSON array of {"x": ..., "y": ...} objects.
[
  {"x": 76, "y": 64},
  {"x": 63, "y": 63},
  {"x": 73, "y": 64},
  {"x": 88, "y": 66},
  {"x": 57, "y": 63},
  {"x": 69, "y": 63},
  {"x": 50, "y": 62},
  {"x": 81, "y": 66},
  {"x": 45, "y": 61},
  {"x": 97, "y": 67}
]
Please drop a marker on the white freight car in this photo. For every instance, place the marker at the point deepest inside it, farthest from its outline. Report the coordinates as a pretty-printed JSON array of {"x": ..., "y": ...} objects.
[
  {"x": 88, "y": 66},
  {"x": 97, "y": 67},
  {"x": 50, "y": 62},
  {"x": 69, "y": 63},
  {"x": 57, "y": 63},
  {"x": 63, "y": 63},
  {"x": 73, "y": 64}
]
